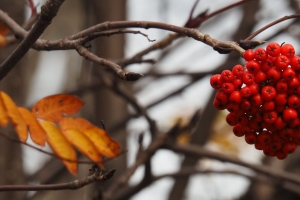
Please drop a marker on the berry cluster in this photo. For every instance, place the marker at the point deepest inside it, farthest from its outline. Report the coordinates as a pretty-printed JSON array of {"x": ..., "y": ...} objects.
[{"x": 263, "y": 99}]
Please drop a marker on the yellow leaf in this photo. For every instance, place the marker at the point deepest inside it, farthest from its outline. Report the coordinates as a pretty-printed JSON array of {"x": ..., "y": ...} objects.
[
  {"x": 60, "y": 146},
  {"x": 15, "y": 117},
  {"x": 84, "y": 145},
  {"x": 37, "y": 133},
  {"x": 99, "y": 137},
  {"x": 3, "y": 114},
  {"x": 54, "y": 108}
]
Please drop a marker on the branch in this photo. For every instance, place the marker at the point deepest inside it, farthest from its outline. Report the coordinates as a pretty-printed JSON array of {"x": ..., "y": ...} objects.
[
  {"x": 48, "y": 12},
  {"x": 95, "y": 175},
  {"x": 271, "y": 24}
]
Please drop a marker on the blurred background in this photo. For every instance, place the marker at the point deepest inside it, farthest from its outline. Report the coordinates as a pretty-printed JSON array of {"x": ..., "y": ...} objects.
[{"x": 173, "y": 89}]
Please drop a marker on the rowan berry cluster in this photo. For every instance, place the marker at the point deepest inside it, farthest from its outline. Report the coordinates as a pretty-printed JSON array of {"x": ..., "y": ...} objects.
[{"x": 263, "y": 99}]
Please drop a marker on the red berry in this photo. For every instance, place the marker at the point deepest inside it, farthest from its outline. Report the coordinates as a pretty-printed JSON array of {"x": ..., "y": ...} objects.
[
  {"x": 281, "y": 155},
  {"x": 237, "y": 83},
  {"x": 273, "y": 49},
  {"x": 289, "y": 147},
  {"x": 287, "y": 50},
  {"x": 235, "y": 97},
  {"x": 248, "y": 55},
  {"x": 288, "y": 74},
  {"x": 251, "y": 138},
  {"x": 273, "y": 74},
  {"x": 280, "y": 124},
  {"x": 222, "y": 97},
  {"x": 227, "y": 76},
  {"x": 293, "y": 101},
  {"x": 295, "y": 63},
  {"x": 218, "y": 105},
  {"x": 293, "y": 84},
  {"x": 282, "y": 62},
  {"x": 289, "y": 114},
  {"x": 248, "y": 78},
  {"x": 260, "y": 77},
  {"x": 245, "y": 92},
  {"x": 253, "y": 88},
  {"x": 237, "y": 130},
  {"x": 268, "y": 93},
  {"x": 238, "y": 70},
  {"x": 269, "y": 105},
  {"x": 245, "y": 105},
  {"x": 231, "y": 107},
  {"x": 216, "y": 81},
  {"x": 253, "y": 66},
  {"x": 269, "y": 152},
  {"x": 260, "y": 54},
  {"x": 257, "y": 100},
  {"x": 270, "y": 117},
  {"x": 228, "y": 88},
  {"x": 280, "y": 99},
  {"x": 232, "y": 119},
  {"x": 264, "y": 137},
  {"x": 281, "y": 86}
]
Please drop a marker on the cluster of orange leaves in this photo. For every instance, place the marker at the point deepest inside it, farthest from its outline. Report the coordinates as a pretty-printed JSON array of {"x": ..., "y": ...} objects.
[{"x": 48, "y": 122}]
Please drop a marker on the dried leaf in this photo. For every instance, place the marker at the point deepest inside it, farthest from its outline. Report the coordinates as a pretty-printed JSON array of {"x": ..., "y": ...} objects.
[
  {"x": 84, "y": 145},
  {"x": 15, "y": 117},
  {"x": 99, "y": 137},
  {"x": 3, "y": 29},
  {"x": 37, "y": 133},
  {"x": 60, "y": 146},
  {"x": 3, "y": 114},
  {"x": 54, "y": 108}
]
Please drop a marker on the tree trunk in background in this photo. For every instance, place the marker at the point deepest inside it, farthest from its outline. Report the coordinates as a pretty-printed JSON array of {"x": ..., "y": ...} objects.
[{"x": 203, "y": 131}]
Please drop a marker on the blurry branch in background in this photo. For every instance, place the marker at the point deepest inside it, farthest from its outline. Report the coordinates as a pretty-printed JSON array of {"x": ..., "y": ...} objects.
[{"x": 95, "y": 174}]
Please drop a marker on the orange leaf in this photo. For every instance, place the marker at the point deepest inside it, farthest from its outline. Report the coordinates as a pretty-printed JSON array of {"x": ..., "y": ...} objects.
[
  {"x": 15, "y": 117},
  {"x": 99, "y": 137},
  {"x": 3, "y": 114},
  {"x": 84, "y": 145},
  {"x": 54, "y": 108},
  {"x": 3, "y": 29},
  {"x": 60, "y": 145},
  {"x": 3, "y": 41},
  {"x": 37, "y": 133}
]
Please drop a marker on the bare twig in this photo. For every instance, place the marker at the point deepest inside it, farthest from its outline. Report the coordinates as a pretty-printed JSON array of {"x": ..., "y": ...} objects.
[
  {"x": 272, "y": 24},
  {"x": 95, "y": 175}
]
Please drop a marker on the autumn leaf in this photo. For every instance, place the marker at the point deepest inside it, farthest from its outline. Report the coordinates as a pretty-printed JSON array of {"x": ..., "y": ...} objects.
[
  {"x": 37, "y": 133},
  {"x": 54, "y": 108},
  {"x": 60, "y": 145},
  {"x": 3, "y": 114},
  {"x": 99, "y": 137},
  {"x": 84, "y": 145},
  {"x": 3, "y": 29},
  {"x": 15, "y": 117}
]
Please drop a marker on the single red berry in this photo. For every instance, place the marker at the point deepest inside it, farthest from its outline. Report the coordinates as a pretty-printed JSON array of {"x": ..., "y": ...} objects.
[
  {"x": 248, "y": 55},
  {"x": 293, "y": 84},
  {"x": 245, "y": 105},
  {"x": 293, "y": 101},
  {"x": 260, "y": 54},
  {"x": 232, "y": 119},
  {"x": 288, "y": 74},
  {"x": 295, "y": 123},
  {"x": 270, "y": 117},
  {"x": 227, "y": 76},
  {"x": 237, "y": 83},
  {"x": 248, "y": 78},
  {"x": 280, "y": 108},
  {"x": 251, "y": 138},
  {"x": 275, "y": 145},
  {"x": 254, "y": 125},
  {"x": 289, "y": 114},
  {"x": 238, "y": 70},
  {"x": 237, "y": 130},
  {"x": 246, "y": 130},
  {"x": 243, "y": 120},
  {"x": 268, "y": 105},
  {"x": 235, "y": 97},
  {"x": 281, "y": 86},
  {"x": 253, "y": 110},
  {"x": 260, "y": 77},
  {"x": 280, "y": 124},
  {"x": 268, "y": 93},
  {"x": 253, "y": 88},
  {"x": 222, "y": 97},
  {"x": 289, "y": 147},
  {"x": 281, "y": 155},
  {"x": 266, "y": 65},
  {"x": 286, "y": 133},
  {"x": 273, "y": 74},
  {"x": 287, "y": 50},
  {"x": 253, "y": 66},
  {"x": 282, "y": 62},
  {"x": 280, "y": 99},
  {"x": 216, "y": 81},
  {"x": 264, "y": 137},
  {"x": 295, "y": 63},
  {"x": 218, "y": 105},
  {"x": 273, "y": 49},
  {"x": 259, "y": 146},
  {"x": 296, "y": 137},
  {"x": 228, "y": 88},
  {"x": 269, "y": 152},
  {"x": 232, "y": 107},
  {"x": 245, "y": 92},
  {"x": 257, "y": 100}
]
